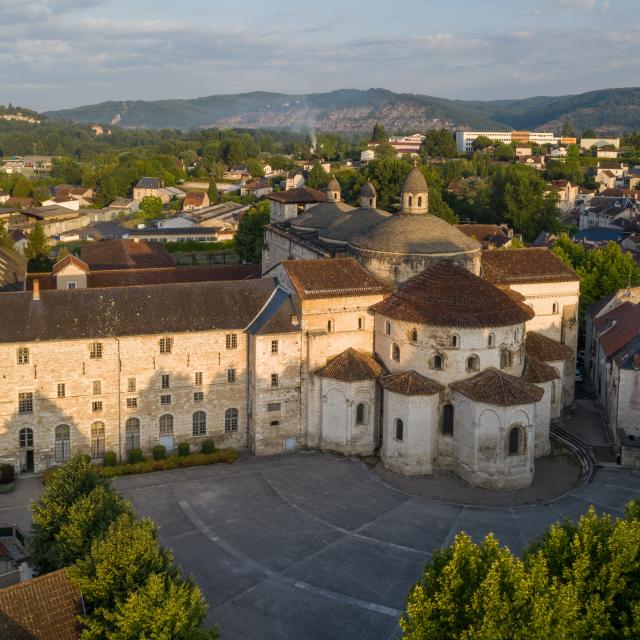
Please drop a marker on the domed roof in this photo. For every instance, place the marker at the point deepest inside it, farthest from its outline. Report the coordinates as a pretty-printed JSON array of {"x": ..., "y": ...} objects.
[
  {"x": 368, "y": 190},
  {"x": 333, "y": 185},
  {"x": 321, "y": 216},
  {"x": 415, "y": 181},
  {"x": 356, "y": 222},
  {"x": 415, "y": 235},
  {"x": 446, "y": 295}
]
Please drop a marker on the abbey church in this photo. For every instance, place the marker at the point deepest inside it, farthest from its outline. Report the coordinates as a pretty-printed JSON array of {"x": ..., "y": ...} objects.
[{"x": 369, "y": 332}]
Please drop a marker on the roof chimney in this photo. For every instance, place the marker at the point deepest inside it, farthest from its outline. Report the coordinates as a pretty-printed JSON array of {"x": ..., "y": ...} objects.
[{"x": 36, "y": 289}]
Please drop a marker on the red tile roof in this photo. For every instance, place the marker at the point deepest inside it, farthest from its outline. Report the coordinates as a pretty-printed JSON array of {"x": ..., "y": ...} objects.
[
  {"x": 627, "y": 328},
  {"x": 333, "y": 278},
  {"x": 350, "y": 366},
  {"x": 125, "y": 254},
  {"x": 44, "y": 608},
  {"x": 446, "y": 295},
  {"x": 193, "y": 199},
  {"x": 606, "y": 320},
  {"x": 410, "y": 383},
  {"x": 493, "y": 386},
  {"x": 538, "y": 372},
  {"x": 514, "y": 266},
  {"x": 67, "y": 260},
  {"x": 545, "y": 349}
]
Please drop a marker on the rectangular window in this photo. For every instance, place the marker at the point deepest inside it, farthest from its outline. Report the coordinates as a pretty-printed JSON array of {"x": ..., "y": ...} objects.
[
  {"x": 96, "y": 406},
  {"x": 131, "y": 384},
  {"x": 198, "y": 380},
  {"x": 273, "y": 406},
  {"x": 23, "y": 355},
  {"x": 71, "y": 285},
  {"x": 62, "y": 391},
  {"x": 274, "y": 380},
  {"x": 97, "y": 388},
  {"x": 231, "y": 375},
  {"x": 166, "y": 344},
  {"x": 232, "y": 340},
  {"x": 132, "y": 403},
  {"x": 198, "y": 396},
  {"x": 165, "y": 400},
  {"x": 165, "y": 380},
  {"x": 95, "y": 350},
  {"x": 274, "y": 347},
  {"x": 25, "y": 402}
]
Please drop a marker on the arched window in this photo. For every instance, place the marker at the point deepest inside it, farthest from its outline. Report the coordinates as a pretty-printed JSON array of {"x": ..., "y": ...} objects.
[
  {"x": 455, "y": 341},
  {"x": 436, "y": 363},
  {"x": 362, "y": 413},
  {"x": 63, "y": 442},
  {"x": 26, "y": 438},
  {"x": 199, "y": 423},
  {"x": 505, "y": 359},
  {"x": 473, "y": 363},
  {"x": 410, "y": 201},
  {"x": 166, "y": 425},
  {"x": 231, "y": 420},
  {"x": 517, "y": 442},
  {"x": 419, "y": 201},
  {"x": 387, "y": 328},
  {"x": 414, "y": 335},
  {"x": 360, "y": 322},
  {"x": 399, "y": 429},
  {"x": 97, "y": 439},
  {"x": 395, "y": 352},
  {"x": 132, "y": 434},
  {"x": 329, "y": 326},
  {"x": 554, "y": 307},
  {"x": 447, "y": 419},
  {"x": 491, "y": 340}
]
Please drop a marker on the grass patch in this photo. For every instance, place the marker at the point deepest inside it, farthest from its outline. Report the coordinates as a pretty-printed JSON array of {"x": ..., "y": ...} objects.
[{"x": 227, "y": 456}]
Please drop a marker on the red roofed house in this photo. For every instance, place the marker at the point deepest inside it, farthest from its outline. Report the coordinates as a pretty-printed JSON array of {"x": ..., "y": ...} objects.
[{"x": 194, "y": 200}]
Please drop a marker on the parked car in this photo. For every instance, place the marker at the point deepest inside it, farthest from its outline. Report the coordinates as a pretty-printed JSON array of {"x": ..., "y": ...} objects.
[{"x": 579, "y": 377}]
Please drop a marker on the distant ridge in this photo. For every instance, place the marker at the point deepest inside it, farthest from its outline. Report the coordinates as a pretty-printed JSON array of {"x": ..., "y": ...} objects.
[{"x": 356, "y": 111}]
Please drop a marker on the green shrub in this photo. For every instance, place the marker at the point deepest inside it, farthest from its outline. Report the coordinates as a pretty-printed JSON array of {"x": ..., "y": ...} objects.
[
  {"x": 109, "y": 459},
  {"x": 135, "y": 455},
  {"x": 183, "y": 449},
  {"x": 159, "y": 452},
  {"x": 47, "y": 474},
  {"x": 7, "y": 473},
  {"x": 208, "y": 446}
]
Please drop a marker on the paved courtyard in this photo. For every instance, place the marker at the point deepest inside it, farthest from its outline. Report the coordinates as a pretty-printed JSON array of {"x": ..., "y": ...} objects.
[{"x": 314, "y": 546}]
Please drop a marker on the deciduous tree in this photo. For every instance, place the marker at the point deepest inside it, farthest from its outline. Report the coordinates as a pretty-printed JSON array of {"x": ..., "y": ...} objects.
[
  {"x": 250, "y": 234},
  {"x": 151, "y": 207}
]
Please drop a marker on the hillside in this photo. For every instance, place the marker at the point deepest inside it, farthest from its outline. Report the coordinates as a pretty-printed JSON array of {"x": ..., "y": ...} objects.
[{"x": 350, "y": 110}]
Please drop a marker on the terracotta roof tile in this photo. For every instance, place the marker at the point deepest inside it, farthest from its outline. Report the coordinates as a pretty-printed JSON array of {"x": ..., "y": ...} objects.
[
  {"x": 446, "y": 295},
  {"x": 545, "y": 349},
  {"x": 410, "y": 383},
  {"x": 627, "y": 328},
  {"x": 493, "y": 386},
  {"x": 512, "y": 266},
  {"x": 125, "y": 254},
  {"x": 44, "y": 608},
  {"x": 69, "y": 259},
  {"x": 193, "y": 199},
  {"x": 333, "y": 278},
  {"x": 538, "y": 372},
  {"x": 351, "y": 366}
]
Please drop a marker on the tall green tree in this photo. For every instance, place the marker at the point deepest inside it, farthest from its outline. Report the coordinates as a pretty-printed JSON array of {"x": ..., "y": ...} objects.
[
  {"x": 22, "y": 187},
  {"x": 589, "y": 133},
  {"x": 151, "y": 207},
  {"x": 385, "y": 151},
  {"x": 250, "y": 234},
  {"x": 67, "y": 484},
  {"x": 439, "y": 143},
  {"x": 37, "y": 248},
  {"x": 318, "y": 177},
  {"x": 66, "y": 170},
  {"x": 379, "y": 134},
  {"x": 6, "y": 241},
  {"x": 212, "y": 192},
  {"x": 567, "y": 128}
]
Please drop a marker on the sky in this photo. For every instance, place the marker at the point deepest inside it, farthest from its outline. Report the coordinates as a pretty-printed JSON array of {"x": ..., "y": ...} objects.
[{"x": 64, "y": 53}]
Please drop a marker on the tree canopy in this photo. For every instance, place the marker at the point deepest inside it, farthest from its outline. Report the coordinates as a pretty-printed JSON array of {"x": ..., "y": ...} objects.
[
  {"x": 151, "y": 207},
  {"x": 439, "y": 143},
  {"x": 318, "y": 177},
  {"x": 379, "y": 134},
  {"x": 578, "y": 582},
  {"x": 250, "y": 234}
]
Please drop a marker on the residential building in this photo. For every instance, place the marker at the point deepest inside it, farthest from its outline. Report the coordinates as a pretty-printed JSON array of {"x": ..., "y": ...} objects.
[
  {"x": 150, "y": 187},
  {"x": 194, "y": 200},
  {"x": 588, "y": 143}
]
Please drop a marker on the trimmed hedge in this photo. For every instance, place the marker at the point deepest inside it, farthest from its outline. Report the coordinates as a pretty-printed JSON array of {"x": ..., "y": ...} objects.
[
  {"x": 208, "y": 446},
  {"x": 159, "y": 452},
  {"x": 7, "y": 473},
  {"x": 172, "y": 462},
  {"x": 183, "y": 449},
  {"x": 110, "y": 459},
  {"x": 135, "y": 455}
]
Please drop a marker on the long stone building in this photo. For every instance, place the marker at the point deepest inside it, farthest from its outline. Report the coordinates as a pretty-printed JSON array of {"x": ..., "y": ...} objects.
[{"x": 389, "y": 333}]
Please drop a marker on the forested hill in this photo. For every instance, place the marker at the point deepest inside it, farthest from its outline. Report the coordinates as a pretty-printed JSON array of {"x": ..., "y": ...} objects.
[{"x": 350, "y": 110}]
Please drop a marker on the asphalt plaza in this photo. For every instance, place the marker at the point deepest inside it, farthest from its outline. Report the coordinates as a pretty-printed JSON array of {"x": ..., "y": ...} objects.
[{"x": 313, "y": 546}]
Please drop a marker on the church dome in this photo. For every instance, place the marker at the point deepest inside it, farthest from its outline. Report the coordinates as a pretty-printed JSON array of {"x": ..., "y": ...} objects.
[
  {"x": 333, "y": 185},
  {"x": 368, "y": 190},
  {"x": 415, "y": 182}
]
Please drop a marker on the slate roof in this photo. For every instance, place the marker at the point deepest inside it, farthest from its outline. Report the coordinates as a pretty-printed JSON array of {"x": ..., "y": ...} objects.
[
  {"x": 302, "y": 195},
  {"x": 545, "y": 349},
  {"x": 513, "y": 266},
  {"x": 357, "y": 221},
  {"x": 13, "y": 270},
  {"x": 277, "y": 316},
  {"x": 333, "y": 278},
  {"x": 410, "y": 383},
  {"x": 368, "y": 190},
  {"x": 415, "y": 181},
  {"x": 128, "y": 311},
  {"x": 321, "y": 215},
  {"x": 493, "y": 386},
  {"x": 538, "y": 372},
  {"x": 125, "y": 254},
  {"x": 44, "y": 608},
  {"x": 407, "y": 234},
  {"x": 149, "y": 183},
  {"x": 350, "y": 366},
  {"x": 446, "y": 295}
]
